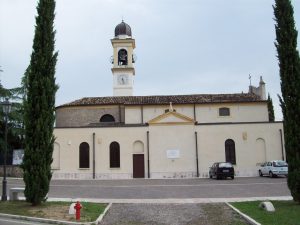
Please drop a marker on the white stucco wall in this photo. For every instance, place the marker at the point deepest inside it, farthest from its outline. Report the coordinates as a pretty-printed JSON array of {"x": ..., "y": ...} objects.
[
  {"x": 205, "y": 113},
  {"x": 133, "y": 115},
  {"x": 211, "y": 145},
  {"x": 70, "y": 139},
  {"x": 211, "y": 148},
  {"x": 177, "y": 137},
  {"x": 239, "y": 112}
]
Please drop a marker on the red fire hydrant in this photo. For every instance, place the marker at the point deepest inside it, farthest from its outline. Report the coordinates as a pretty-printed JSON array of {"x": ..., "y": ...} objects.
[{"x": 77, "y": 207}]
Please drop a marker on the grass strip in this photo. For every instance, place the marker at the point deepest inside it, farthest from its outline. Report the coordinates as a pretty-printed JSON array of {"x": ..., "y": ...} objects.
[
  {"x": 286, "y": 212},
  {"x": 52, "y": 210}
]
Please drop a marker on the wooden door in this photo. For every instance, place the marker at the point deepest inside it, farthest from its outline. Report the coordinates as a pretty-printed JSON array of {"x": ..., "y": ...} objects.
[{"x": 138, "y": 166}]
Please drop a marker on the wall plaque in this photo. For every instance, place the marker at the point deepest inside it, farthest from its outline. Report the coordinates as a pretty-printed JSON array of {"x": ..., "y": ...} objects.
[{"x": 173, "y": 153}]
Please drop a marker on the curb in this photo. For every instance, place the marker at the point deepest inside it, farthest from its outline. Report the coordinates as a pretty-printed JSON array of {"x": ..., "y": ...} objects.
[
  {"x": 42, "y": 220},
  {"x": 246, "y": 217},
  {"x": 100, "y": 218},
  {"x": 170, "y": 200},
  {"x": 52, "y": 221}
]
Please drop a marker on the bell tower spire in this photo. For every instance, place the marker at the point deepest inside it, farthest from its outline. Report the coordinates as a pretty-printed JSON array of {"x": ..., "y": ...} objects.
[{"x": 123, "y": 60}]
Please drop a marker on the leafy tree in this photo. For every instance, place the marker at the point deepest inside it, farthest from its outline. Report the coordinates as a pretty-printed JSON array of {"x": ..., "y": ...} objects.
[
  {"x": 15, "y": 136},
  {"x": 40, "y": 89},
  {"x": 289, "y": 65},
  {"x": 270, "y": 109}
]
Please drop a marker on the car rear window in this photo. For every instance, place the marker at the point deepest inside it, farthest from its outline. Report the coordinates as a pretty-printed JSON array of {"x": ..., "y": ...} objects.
[
  {"x": 225, "y": 165},
  {"x": 280, "y": 164}
]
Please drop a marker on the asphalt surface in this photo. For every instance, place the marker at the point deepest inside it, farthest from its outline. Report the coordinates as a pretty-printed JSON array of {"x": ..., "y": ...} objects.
[
  {"x": 165, "y": 189},
  {"x": 158, "y": 189}
]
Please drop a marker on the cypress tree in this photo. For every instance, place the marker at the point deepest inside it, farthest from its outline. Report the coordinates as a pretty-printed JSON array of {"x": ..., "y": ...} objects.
[
  {"x": 270, "y": 109},
  {"x": 289, "y": 66},
  {"x": 39, "y": 106}
]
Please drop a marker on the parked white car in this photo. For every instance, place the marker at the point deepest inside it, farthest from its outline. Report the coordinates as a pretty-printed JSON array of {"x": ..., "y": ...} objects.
[{"x": 274, "y": 168}]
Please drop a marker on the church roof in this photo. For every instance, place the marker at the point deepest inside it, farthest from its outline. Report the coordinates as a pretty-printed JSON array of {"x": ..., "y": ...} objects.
[{"x": 165, "y": 99}]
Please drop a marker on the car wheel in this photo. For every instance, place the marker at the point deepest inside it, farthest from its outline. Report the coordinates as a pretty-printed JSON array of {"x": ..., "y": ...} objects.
[
  {"x": 218, "y": 177},
  {"x": 271, "y": 174},
  {"x": 260, "y": 173},
  {"x": 232, "y": 177}
]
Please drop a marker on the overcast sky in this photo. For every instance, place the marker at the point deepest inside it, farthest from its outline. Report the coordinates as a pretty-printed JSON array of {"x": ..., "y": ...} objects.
[{"x": 182, "y": 46}]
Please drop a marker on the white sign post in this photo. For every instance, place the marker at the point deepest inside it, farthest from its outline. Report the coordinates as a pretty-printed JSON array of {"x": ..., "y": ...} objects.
[{"x": 18, "y": 155}]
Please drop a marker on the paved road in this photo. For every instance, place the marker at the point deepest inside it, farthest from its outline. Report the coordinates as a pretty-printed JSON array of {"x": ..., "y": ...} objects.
[
  {"x": 160, "y": 189},
  {"x": 165, "y": 189}
]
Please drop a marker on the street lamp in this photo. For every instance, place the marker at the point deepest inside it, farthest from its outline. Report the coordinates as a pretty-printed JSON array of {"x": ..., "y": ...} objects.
[{"x": 6, "y": 107}]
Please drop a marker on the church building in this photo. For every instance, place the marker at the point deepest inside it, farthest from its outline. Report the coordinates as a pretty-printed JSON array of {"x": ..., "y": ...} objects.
[{"x": 164, "y": 136}]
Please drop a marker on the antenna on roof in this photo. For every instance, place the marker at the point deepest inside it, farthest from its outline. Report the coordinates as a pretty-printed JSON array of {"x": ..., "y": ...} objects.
[
  {"x": 122, "y": 18},
  {"x": 250, "y": 79}
]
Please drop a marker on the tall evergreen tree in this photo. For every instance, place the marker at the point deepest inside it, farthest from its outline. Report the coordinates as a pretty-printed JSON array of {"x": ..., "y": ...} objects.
[
  {"x": 39, "y": 106},
  {"x": 270, "y": 109},
  {"x": 289, "y": 65}
]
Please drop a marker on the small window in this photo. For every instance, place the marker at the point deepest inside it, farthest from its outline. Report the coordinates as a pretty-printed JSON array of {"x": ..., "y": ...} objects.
[
  {"x": 230, "y": 151},
  {"x": 114, "y": 154},
  {"x": 84, "y": 155},
  {"x": 107, "y": 118},
  {"x": 224, "y": 111}
]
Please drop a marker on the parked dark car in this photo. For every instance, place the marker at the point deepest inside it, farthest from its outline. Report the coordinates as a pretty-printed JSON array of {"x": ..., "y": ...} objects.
[{"x": 221, "y": 170}]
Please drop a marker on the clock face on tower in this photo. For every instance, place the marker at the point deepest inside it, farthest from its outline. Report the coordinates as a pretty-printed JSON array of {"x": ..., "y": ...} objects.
[{"x": 122, "y": 79}]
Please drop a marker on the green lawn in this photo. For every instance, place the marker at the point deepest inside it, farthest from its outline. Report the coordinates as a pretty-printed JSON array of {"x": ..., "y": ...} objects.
[
  {"x": 286, "y": 212},
  {"x": 52, "y": 210}
]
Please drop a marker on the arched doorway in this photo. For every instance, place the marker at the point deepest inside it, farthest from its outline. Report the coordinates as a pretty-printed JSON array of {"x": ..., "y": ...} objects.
[{"x": 138, "y": 160}]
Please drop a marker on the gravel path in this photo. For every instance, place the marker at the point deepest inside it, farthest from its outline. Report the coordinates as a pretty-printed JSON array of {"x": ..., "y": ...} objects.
[{"x": 171, "y": 214}]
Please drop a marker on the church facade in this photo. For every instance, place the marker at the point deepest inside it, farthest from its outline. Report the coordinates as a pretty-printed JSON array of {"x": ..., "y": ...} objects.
[{"x": 175, "y": 136}]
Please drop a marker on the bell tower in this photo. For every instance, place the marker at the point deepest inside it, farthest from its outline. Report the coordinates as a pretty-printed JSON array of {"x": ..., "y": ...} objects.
[{"x": 123, "y": 60}]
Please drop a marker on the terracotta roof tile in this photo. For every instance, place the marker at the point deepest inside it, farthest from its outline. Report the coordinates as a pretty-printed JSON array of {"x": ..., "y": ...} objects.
[{"x": 165, "y": 99}]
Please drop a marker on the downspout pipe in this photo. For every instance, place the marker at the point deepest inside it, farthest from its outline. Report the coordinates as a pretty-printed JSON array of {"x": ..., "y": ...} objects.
[
  {"x": 148, "y": 160},
  {"x": 197, "y": 163},
  {"x": 120, "y": 116},
  {"x": 94, "y": 163},
  {"x": 281, "y": 142}
]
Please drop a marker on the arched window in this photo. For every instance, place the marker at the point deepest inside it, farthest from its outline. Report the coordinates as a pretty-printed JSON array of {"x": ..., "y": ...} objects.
[
  {"x": 122, "y": 57},
  {"x": 230, "y": 151},
  {"x": 84, "y": 155},
  {"x": 107, "y": 118},
  {"x": 114, "y": 155},
  {"x": 224, "y": 111},
  {"x": 260, "y": 151}
]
